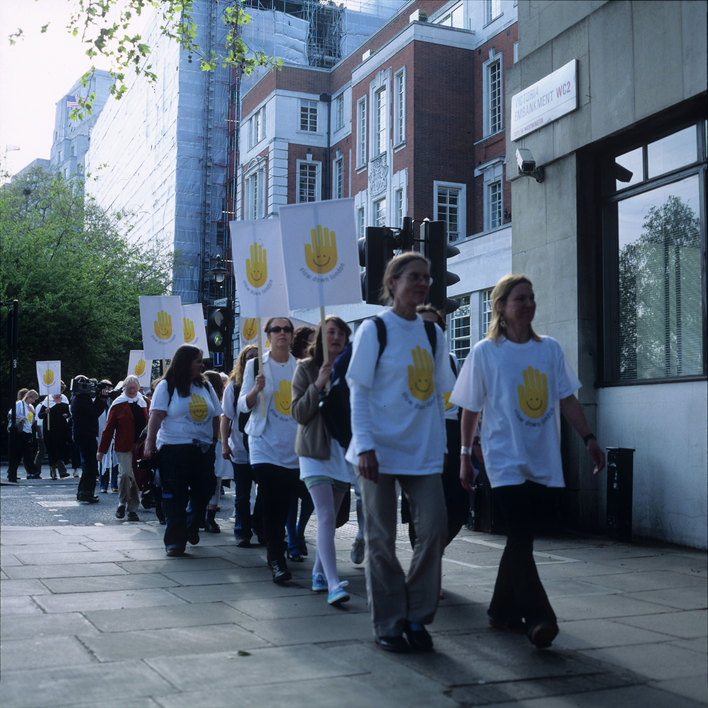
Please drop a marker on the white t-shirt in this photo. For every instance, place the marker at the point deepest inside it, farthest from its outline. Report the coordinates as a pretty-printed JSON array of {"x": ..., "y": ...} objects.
[
  {"x": 451, "y": 410},
  {"x": 271, "y": 441},
  {"x": 518, "y": 387},
  {"x": 188, "y": 419},
  {"x": 26, "y": 411},
  {"x": 336, "y": 467},
  {"x": 239, "y": 454},
  {"x": 397, "y": 404}
]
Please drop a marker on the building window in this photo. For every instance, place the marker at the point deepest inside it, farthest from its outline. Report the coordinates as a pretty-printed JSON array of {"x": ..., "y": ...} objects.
[
  {"x": 361, "y": 133},
  {"x": 485, "y": 312},
  {"x": 399, "y": 108},
  {"x": 308, "y": 181},
  {"x": 654, "y": 237},
  {"x": 380, "y": 121},
  {"x": 449, "y": 207},
  {"x": 398, "y": 206},
  {"x": 254, "y": 194},
  {"x": 494, "y": 207},
  {"x": 493, "y": 99},
  {"x": 453, "y": 18},
  {"x": 459, "y": 329},
  {"x": 256, "y": 128},
  {"x": 308, "y": 116},
  {"x": 339, "y": 112},
  {"x": 338, "y": 178},
  {"x": 360, "y": 223},
  {"x": 380, "y": 212},
  {"x": 492, "y": 10}
]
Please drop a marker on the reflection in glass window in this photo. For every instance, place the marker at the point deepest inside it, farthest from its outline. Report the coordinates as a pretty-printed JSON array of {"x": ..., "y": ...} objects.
[
  {"x": 308, "y": 116},
  {"x": 459, "y": 329},
  {"x": 380, "y": 212},
  {"x": 485, "y": 301},
  {"x": 307, "y": 178},
  {"x": 659, "y": 283},
  {"x": 672, "y": 152}
]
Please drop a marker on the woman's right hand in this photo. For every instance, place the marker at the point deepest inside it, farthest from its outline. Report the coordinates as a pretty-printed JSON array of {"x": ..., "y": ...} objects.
[
  {"x": 259, "y": 383},
  {"x": 324, "y": 375},
  {"x": 369, "y": 466},
  {"x": 149, "y": 449},
  {"x": 467, "y": 474},
  {"x": 226, "y": 451}
]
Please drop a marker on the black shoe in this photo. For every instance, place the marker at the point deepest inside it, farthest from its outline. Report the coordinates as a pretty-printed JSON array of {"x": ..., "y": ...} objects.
[
  {"x": 515, "y": 626},
  {"x": 174, "y": 552},
  {"x": 120, "y": 512},
  {"x": 294, "y": 555},
  {"x": 243, "y": 542},
  {"x": 193, "y": 538},
  {"x": 418, "y": 639},
  {"x": 64, "y": 475},
  {"x": 302, "y": 545},
  {"x": 211, "y": 526},
  {"x": 398, "y": 644},
  {"x": 280, "y": 571},
  {"x": 542, "y": 634},
  {"x": 132, "y": 516},
  {"x": 88, "y": 500}
]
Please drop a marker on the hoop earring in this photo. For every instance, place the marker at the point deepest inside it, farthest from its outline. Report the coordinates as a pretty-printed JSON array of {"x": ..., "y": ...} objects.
[{"x": 502, "y": 322}]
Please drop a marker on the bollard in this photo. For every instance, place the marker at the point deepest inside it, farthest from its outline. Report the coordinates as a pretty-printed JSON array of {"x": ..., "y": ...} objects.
[{"x": 620, "y": 477}]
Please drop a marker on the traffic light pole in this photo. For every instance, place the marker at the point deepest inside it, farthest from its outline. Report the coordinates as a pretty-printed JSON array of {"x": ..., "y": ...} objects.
[{"x": 13, "y": 319}]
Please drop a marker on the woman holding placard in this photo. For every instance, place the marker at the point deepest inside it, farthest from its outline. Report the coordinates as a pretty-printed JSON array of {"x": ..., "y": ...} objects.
[
  {"x": 271, "y": 437},
  {"x": 398, "y": 426}
]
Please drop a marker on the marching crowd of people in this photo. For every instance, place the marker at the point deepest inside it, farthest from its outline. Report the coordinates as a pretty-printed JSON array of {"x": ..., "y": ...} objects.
[{"x": 388, "y": 415}]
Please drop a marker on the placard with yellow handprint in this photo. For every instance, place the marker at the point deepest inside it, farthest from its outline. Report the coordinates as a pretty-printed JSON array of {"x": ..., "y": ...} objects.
[
  {"x": 140, "y": 366},
  {"x": 249, "y": 329},
  {"x": 49, "y": 377},
  {"x": 194, "y": 329},
  {"x": 283, "y": 397},
  {"x": 420, "y": 374},
  {"x": 161, "y": 323},
  {"x": 321, "y": 254},
  {"x": 533, "y": 395},
  {"x": 257, "y": 266},
  {"x": 188, "y": 327}
]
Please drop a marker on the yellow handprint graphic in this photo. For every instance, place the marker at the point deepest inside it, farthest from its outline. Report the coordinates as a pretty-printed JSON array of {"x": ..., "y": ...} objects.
[
  {"x": 163, "y": 325},
  {"x": 188, "y": 327},
  {"x": 250, "y": 328},
  {"x": 283, "y": 398},
  {"x": 446, "y": 400},
  {"x": 48, "y": 377},
  {"x": 420, "y": 375},
  {"x": 321, "y": 256},
  {"x": 140, "y": 367},
  {"x": 198, "y": 409},
  {"x": 257, "y": 266},
  {"x": 533, "y": 395}
]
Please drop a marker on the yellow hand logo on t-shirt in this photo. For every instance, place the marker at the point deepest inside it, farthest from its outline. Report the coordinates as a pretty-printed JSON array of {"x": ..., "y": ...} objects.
[
  {"x": 30, "y": 415},
  {"x": 48, "y": 377},
  {"x": 420, "y": 375},
  {"x": 321, "y": 256},
  {"x": 533, "y": 395},
  {"x": 446, "y": 400},
  {"x": 283, "y": 398},
  {"x": 198, "y": 409}
]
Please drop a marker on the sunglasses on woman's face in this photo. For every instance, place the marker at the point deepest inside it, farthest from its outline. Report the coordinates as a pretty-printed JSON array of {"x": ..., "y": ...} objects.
[{"x": 278, "y": 330}]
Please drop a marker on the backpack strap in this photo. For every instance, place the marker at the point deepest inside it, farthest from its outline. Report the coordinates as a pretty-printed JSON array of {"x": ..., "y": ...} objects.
[
  {"x": 381, "y": 334},
  {"x": 430, "y": 331}
]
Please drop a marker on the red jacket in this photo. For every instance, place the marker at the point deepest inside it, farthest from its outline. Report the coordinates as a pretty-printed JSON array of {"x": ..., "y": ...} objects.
[{"x": 120, "y": 421}]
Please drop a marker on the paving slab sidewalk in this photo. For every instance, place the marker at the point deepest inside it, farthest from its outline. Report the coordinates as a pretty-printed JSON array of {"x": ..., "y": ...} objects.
[{"x": 98, "y": 616}]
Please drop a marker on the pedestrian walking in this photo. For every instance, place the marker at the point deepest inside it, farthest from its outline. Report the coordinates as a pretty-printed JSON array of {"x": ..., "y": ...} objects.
[
  {"x": 22, "y": 449},
  {"x": 55, "y": 414}
]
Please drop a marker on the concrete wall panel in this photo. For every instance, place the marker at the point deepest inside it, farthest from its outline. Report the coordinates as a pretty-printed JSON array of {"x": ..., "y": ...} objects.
[{"x": 694, "y": 47}]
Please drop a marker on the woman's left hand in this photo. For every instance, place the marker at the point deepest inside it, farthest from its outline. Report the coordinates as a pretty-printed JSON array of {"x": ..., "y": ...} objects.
[{"x": 323, "y": 376}]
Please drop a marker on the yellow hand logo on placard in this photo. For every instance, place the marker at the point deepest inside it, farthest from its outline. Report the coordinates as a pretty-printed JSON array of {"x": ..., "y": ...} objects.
[
  {"x": 250, "y": 328},
  {"x": 446, "y": 400},
  {"x": 163, "y": 325},
  {"x": 48, "y": 377},
  {"x": 321, "y": 256},
  {"x": 198, "y": 409},
  {"x": 140, "y": 367},
  {"x": 283, "y": 398},
  {"x": 420, "y": 375},
  {"x": 257, "y": 266},
  {"x": 188, "y": 327},
  {"x": 533, "y": 395}
]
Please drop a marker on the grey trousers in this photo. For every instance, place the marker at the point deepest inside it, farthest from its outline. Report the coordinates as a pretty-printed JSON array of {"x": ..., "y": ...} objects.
[
  {"x": 394, "y": 596},
  {"x": 127, "y": 486}
]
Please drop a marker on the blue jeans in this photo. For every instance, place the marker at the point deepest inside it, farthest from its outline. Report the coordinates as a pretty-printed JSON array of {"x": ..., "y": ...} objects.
[{"x": 188, "y": 480}]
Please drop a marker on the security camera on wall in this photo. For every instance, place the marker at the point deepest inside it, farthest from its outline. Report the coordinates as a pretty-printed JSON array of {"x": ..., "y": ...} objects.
[{"x": 527, "y": 164}]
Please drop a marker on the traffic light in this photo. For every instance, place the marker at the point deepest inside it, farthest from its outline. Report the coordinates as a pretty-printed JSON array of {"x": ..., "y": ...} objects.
[
  {"x": 218, "y": 327},
  {"x": 375, "y": 251},
  {"x": 405, "y": 237},
  {"x": 438, "y": 250}
]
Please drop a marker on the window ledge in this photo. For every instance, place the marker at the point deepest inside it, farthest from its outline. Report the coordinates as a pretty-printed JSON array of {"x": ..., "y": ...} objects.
[{"x": 652, "y": 382}]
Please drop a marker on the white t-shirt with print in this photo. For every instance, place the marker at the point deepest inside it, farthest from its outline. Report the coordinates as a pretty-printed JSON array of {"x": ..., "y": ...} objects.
[
  {"x": 276, "y": 443},
  {"x": 188, "y": 419},
  {"x": 397, "y": 404},
  {"x": 518, "y": 387},
  {"x": 239, "y": 454}
]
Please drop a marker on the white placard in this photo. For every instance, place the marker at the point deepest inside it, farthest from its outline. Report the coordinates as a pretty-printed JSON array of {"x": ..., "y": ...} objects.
[
  {"x": 49, "y": 377},
  {"x": 161, "y": 322},
  {"x": 545, "y": 101},
  {"x": 139, "y": 366},
  {"x": 193, "y": 326},
  {"x": 320, "y": 252}
]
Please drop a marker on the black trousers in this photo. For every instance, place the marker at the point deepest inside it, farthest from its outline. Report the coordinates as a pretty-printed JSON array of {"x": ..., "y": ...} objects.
[
  {"x": 518, "y": 592},
  {"x": 89, "y": 468},
  {"x": 21, "y": 452},
  {"x": 278, "y": 485}
]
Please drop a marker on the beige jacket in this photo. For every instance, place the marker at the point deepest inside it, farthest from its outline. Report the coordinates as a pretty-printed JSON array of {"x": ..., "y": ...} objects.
[{"x": 312, "y": 438}]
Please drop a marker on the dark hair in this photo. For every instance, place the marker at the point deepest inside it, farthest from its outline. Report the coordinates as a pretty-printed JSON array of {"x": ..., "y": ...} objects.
[
  {"x": 421, "y": 309},
  {"x": 300, "y": 345},
  {"x": 178, "y": 374},
  {"x": 395, "y": 268},
  {"x": 214, "y": 378},
  {"x": 316, "y": 351},
  {"x": 244, "y": 356},
  {"x": 270, "y": 320}
]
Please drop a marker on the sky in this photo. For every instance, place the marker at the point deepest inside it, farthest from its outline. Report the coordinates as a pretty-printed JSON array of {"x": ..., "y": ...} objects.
[{"x": 34, "y": 74}]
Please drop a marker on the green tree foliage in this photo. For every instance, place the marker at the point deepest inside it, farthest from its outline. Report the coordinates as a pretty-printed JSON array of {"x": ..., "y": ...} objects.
[
  {"x": 106, "y": 28},
  {"x": 77, "y": 279}
]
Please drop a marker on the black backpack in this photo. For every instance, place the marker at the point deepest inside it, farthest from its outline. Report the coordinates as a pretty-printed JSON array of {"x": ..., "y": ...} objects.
[{"x": 334, "y": 405}]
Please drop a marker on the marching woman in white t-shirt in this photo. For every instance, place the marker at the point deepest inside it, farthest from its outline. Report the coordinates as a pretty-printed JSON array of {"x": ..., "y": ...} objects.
[
  {"x": 184, "y": 428},
  {"x": 271, "y": 437},
  {"x": 522, "y": 383},
  {"x": 398, "y": 427}
]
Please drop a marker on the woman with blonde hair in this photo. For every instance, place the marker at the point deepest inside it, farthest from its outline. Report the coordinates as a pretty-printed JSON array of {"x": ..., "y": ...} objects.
[{"x": 522, "y": 383}]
